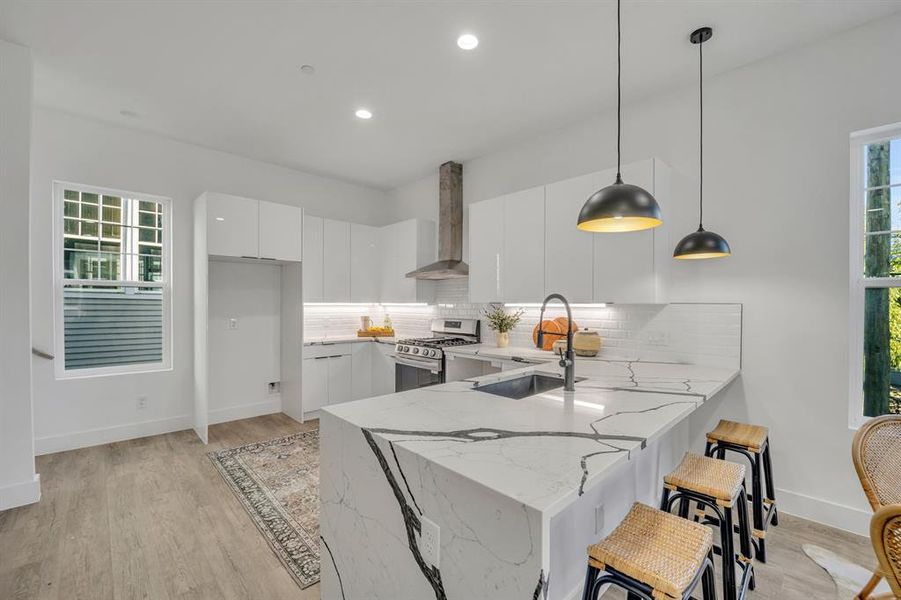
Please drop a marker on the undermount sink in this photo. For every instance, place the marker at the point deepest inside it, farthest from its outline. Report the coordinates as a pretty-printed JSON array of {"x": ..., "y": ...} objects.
[{"x": 522, "y": 387}]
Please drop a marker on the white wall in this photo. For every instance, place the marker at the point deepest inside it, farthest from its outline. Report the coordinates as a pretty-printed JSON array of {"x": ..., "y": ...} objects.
[
  {"x": 242, "y": 361},
  {"x": 18, "y": 482},
  {"x": 777, "y": 186},
  {"x": 76, "y": 412}
]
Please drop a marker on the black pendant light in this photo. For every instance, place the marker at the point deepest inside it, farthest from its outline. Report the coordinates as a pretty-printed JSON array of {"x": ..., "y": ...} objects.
[
  {"x": 621, "y": 206},
  {"x": 701, "y": 243}
]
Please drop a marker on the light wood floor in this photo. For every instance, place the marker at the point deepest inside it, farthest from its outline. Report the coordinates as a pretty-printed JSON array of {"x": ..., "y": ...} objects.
[{"x": 151, "y": 518}]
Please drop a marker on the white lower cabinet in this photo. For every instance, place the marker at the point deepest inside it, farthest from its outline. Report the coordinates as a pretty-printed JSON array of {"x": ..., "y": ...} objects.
[
  {"x": 340, "y": 373},
  {"x": 361, "y": 379},
  {"x": 314, "y": 389},
  {"x": 382, "y": 369}
]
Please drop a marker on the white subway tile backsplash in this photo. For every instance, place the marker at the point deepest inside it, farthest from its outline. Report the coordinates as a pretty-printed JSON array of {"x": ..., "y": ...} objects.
[{"x": 707, "y": 334}]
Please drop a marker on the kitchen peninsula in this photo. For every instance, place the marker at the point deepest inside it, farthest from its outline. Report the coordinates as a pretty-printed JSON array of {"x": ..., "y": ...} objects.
[{"x": 451, "y": 492}]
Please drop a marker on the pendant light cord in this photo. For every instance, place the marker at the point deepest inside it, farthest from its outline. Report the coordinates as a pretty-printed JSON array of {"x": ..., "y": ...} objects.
[
  {"x": 619, "y": 93},
  {"x": 701, "y": 136}
]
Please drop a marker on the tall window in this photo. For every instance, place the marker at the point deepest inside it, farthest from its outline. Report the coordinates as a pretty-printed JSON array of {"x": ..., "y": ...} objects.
[
  {"x": 876, "y": 273},
  {"x": 113, "y": 283}
]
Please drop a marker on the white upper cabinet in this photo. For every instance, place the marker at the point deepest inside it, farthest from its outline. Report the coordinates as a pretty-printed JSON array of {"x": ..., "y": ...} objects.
[
  {"x": 281, "y": 231},
  {"x": 246, "y": 228},
  {"x": 232, "y": 226},
  {"x": 624, "y": 262},
  {"x": 568, "y": 251},
  {"x": 406, "y": 246},
  {"x": 486, "y": 251},
  {"x": 312, "y": 259},
  {"x": 365, "y": 272},
  {"x": 336, "y": 261},
  {"x": 526, "y": 245},
  {"x": 524, "y": 249}
]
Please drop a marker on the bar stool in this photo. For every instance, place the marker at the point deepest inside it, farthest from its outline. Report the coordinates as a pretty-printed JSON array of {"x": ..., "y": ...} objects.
[
  {"x": 653, "y": 555},
  {"x": 751, "y": 441},
  {"x": 720, "y": 486}
]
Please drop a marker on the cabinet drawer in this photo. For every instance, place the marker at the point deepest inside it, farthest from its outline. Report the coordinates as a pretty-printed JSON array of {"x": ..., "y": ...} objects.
[{"x": 327, "y": 349}]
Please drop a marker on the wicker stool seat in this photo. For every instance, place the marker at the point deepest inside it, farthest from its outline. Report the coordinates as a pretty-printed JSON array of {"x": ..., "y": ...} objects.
[
  {"x": 751, "y": 437},
  {"x": 718, "y": 479},
  {"x": 665, "y": 554},
  {"x": 752, "y": 442}
]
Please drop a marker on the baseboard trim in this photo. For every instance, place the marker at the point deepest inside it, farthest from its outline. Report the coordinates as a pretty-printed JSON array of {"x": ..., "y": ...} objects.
[
  {"x": 20, "y": 494},
  {"x": 108, "y": 435},
  {"x": 245, "y": 411},
  {"x": 840, "y": 516}
]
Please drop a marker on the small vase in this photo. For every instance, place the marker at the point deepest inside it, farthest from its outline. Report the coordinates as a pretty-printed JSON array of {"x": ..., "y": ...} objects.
[{"x": 502, "y": 339}]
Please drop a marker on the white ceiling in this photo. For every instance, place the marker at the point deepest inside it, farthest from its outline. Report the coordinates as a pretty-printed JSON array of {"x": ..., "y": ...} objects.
[{"x": 226, "y": 75}]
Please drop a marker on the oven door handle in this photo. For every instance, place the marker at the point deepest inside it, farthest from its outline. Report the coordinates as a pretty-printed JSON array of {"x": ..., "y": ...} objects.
[{"x": 417, "y": 363}]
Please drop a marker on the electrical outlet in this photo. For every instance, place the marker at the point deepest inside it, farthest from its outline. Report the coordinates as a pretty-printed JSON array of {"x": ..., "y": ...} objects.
[
  {"x": 599, "y": 519},
  {"x": 429, "y": 542},
  {"x": 233, "y": 323},
  {"x": 275, "y": 387},
  {"x": 142, "y": 402}
]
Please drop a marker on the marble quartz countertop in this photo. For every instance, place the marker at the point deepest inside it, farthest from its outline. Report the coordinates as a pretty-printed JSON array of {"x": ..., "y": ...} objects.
[
  {"x": 530, "y": 354},
  {"x": 545, "y": 450},
  {"x": 345, "y": 339}
]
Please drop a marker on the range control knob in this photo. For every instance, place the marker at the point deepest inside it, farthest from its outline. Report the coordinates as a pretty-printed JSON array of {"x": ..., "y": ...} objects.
[
  {"x": 415, "y": 350},
  {"x": 433, "y": 353}
]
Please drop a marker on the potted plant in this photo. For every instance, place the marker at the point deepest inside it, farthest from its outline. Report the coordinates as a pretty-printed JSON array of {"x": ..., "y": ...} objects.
[{"x": 502, "y": 322}]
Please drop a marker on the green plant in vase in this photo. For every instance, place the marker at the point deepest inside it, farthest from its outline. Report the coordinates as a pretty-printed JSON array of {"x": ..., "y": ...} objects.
[{"x": 502, "y": 322}]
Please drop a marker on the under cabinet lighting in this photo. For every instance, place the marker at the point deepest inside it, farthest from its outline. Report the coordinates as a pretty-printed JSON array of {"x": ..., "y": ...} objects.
[{"x": 538, "y": 305}]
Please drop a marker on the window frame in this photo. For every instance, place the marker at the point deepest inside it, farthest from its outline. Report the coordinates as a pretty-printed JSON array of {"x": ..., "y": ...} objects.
[
  {"x": 60, "y": 282},
  {"x": 859, "y": 283}
]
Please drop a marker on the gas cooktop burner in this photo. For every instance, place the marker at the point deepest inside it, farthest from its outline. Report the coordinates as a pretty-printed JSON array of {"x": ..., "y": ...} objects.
[{"x": 437, "y": 342}]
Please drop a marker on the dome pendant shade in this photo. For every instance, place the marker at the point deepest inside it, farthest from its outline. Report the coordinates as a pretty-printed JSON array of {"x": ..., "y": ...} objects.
[
  {"x": 702, "y": 244},
  {"x": 620, "y": 207}
]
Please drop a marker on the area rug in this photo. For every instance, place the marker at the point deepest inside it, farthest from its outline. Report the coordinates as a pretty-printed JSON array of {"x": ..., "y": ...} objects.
[
  {"x": 849, "y": 578},
  {"x": 277, "y": 482}
]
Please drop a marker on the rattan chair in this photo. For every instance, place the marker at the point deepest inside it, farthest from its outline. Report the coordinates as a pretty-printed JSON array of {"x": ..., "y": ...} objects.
[
  {"x": 876, "y": 451},
  {"x": 885, "y": 531}
]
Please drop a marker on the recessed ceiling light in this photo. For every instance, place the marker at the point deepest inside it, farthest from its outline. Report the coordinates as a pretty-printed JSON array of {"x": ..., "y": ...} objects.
[
  {"x": 220, "y": 218},
  {"x": 467, "y": 41},
  {"x": 307, "y": 69},
  {"x": 129, "y": 113},
  {"x": 363, "y": 113}
]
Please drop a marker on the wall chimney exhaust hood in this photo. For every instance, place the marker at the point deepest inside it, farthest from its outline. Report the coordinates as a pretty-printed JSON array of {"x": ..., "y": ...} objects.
[{"x": 450, "y": 263}]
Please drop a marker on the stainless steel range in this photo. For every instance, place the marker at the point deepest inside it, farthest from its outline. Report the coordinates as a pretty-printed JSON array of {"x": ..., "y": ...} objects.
[{"x": 420, "y": 361}]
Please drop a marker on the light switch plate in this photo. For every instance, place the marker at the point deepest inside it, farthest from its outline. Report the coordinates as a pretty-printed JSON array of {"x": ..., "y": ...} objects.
[
  {"x": 429, "y": 541},
  {"x": 233, "y": 323}
]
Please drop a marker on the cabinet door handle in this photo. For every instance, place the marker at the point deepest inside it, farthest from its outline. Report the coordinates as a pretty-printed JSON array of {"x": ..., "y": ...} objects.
[
  {"x": 245, "y": 256},
  {"x": 320, "y": 357},
  {"x": 267, "y": 258}
]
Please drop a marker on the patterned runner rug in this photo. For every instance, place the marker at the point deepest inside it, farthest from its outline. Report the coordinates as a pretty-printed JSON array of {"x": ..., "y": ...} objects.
[{"x": 277, "y": 481}]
